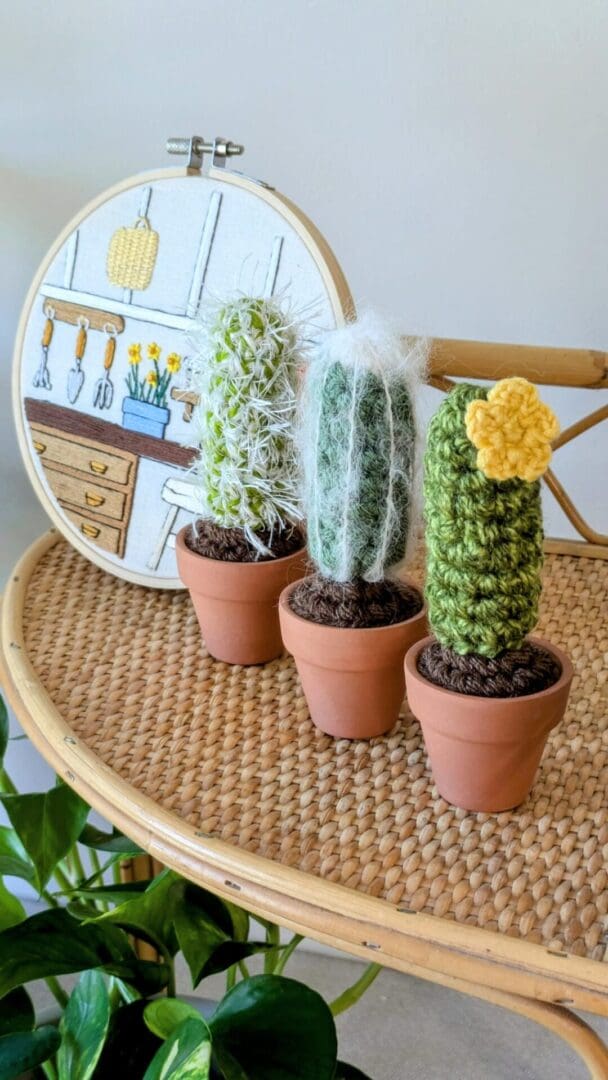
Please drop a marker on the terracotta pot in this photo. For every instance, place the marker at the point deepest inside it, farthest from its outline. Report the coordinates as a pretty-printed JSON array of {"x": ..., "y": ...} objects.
[
  {"x": 236, "y": 603},
  {"x": 484, "y": 752},
  {"x": 352, "y": 678}
]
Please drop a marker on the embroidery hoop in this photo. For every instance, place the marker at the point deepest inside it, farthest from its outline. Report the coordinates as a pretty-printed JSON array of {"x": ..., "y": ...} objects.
[{"x": 331, "y": 285}]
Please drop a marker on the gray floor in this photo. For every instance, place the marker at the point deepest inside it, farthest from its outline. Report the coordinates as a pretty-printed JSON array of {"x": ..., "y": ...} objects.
[{"x": 406, "y": 1029}]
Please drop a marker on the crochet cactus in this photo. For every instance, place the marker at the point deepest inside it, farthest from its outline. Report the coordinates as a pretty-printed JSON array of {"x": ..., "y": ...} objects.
[
  {"x": 245, "y": 364},
  {"x": 359, "y": 439},
  {"x": 484, "y": 534}
]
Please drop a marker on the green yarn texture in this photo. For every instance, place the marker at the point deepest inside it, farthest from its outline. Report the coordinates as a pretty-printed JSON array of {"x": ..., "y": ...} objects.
[
  {"x": 484, "y": 541},
  {"x": 247, "y": 353},
  {"x": 359, "y": 470}
]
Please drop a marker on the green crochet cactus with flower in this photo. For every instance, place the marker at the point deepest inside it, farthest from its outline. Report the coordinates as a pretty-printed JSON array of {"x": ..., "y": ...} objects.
[
  {"x": 245, "y": 371},
  {"x": 485, "y": 453},
  {"x": 358, "y": 443}
]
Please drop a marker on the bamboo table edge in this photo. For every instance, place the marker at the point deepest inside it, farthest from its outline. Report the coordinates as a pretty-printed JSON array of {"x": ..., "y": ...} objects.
[{"x": 477, "y": 961}]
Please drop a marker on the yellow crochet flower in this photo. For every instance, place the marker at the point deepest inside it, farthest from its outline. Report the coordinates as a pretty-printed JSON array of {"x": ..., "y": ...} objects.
[
  {"x": 154, "y": 350},
  {"x": 152, "y": 378},
  {"x": 134, "y": 352},
  {"x": 174, "y": 362},
  {"x": 512, "y": 430}
]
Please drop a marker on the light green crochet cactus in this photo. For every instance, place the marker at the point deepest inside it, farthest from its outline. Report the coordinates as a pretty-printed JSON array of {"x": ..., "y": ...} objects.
[
  {"x": 484, "y": 535},
  {"x": 359, "y": 442},
  {"x": 245, "y": 370}
]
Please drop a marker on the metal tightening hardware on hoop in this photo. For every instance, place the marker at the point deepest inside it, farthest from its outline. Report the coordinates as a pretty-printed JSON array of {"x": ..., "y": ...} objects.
[{"x": 195, "y": 147}]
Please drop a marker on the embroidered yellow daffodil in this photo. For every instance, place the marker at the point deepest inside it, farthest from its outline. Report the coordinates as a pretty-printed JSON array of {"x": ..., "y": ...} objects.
[
  {"x": 154, "y": 350},
  {"x": 134, "y": 353},
  {"x": 174, "y": 362},
  {"x": 152, "y": 378},
  {"x": 512, "y": 431}
]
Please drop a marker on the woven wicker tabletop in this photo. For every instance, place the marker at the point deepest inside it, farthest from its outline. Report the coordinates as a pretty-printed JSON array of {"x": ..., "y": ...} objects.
[{"x": 232, "y": 752}]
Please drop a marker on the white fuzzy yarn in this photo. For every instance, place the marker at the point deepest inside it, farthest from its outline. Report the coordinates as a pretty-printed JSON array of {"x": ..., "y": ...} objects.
[
  {"x": 370, "y": 345},
  {"x": 254, "y": 483}
]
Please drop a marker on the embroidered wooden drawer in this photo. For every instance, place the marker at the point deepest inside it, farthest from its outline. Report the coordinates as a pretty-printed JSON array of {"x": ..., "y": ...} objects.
[
  {"x": 93, "y": 484},
  {"x": 108, "y": 537},
  {"x": 82, "y": 492},
  {"x": 79, "y": 453}
]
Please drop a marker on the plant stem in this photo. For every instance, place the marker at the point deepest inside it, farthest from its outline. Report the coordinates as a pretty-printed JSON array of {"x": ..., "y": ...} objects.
[
  {"x": 351, "y": 995},
  {"x": 95, "y": 863},
  {"x": 244, "y": 970},
  {"x": 62, "y": 879},
  {"x": 50, "y": 899},
  {"x": 49, "y": 1070},
  {"x": 166, "y": 955},
  {"x": 76, "y": 863},
  {"x": 286, "y": 953},
  {"x": 273, "y": 938},
  {"x": 102, "y": 905},
  {"x": 57, "y": 990},
  {"x": 230, "y": 977}
]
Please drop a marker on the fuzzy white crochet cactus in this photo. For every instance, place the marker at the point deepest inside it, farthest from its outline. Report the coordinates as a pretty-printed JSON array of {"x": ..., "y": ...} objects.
[
  {"x": 245, "y": 367},
  {"x": 358, "y": 436}
]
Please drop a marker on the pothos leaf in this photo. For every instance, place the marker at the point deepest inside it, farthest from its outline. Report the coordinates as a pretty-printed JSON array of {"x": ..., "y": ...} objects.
[
  {"x": 16, "y": 1012},
  {"x": 14, "y": 860},
  {"x": 54, "y": 943},
  {"x": 83, "y": 1028},
  {"x": 12, "y": 910},
  {"x": 269, "y": 1027},
  {"x": 26, "y": 1049},
  {"x": 186, "y": 1055},
  {"x": 166, "y": 1014},
  {"x": 114, "y": 841},
  {"x": 48, "y": 825}
]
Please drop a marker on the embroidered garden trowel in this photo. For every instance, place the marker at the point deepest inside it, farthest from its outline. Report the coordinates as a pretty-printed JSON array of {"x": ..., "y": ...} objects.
[{"x": 76, "y": 374}]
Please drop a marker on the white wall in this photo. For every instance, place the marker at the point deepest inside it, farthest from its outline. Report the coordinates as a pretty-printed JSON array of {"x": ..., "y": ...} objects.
[{"x": 454, "y": 152}]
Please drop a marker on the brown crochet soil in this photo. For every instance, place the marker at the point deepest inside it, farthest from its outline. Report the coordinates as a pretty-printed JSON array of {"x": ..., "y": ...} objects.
[
  {"x": 357, "y": 604},
  {"x": 231, "y": 545},
  {"x": 512, "y": 674}
]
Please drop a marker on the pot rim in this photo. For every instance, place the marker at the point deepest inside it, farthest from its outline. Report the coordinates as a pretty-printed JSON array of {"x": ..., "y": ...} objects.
[
  {"x": 181, "y": 543},
  {"x": 352, "y": 630},
  {"x": 567, "y": 672}
]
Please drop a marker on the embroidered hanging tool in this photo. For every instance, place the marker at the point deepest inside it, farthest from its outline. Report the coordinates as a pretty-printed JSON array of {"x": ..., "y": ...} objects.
[
  {"x": 132, "y": 255},
  {"x": 104, "y": 389},
  {"x": 76, "y": 374},
  {"x": 42, "y": 376}
]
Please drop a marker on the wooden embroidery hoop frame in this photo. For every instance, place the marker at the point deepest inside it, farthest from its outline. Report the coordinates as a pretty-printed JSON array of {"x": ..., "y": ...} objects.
[{"x": 329, "y": 269}]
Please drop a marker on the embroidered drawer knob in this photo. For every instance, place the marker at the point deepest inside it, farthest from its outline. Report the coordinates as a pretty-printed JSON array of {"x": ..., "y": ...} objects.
[
  {"x": 92, "y": 499},
  {"x": 89, "y": 530},
  {"x": 98, "y": 467},
  {"x": 39, "y": 447}
]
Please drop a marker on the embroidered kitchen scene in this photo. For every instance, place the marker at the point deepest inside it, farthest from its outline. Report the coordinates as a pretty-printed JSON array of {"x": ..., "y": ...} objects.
[{"x": 106, "y": 403}]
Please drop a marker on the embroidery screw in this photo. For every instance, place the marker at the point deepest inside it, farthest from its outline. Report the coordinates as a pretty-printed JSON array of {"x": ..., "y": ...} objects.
[{"x": 195, "y": 146}]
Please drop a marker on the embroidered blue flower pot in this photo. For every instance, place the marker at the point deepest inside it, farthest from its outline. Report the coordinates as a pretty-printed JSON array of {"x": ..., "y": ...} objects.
[{"x": 144, "y": 417}]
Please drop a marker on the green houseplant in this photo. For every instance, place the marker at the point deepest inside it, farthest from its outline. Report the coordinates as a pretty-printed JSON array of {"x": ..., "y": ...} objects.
[
  {"x": 485, "y": 693},
  {"x": 349, "y": 625},
  {"x": 247, "y": 543},
  {"x": 123, "y": 1017}
]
